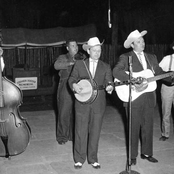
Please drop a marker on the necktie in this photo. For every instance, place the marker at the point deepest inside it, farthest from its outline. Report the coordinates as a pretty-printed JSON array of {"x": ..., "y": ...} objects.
[
  {"x": 93, "y": 67},
  {"x": 140, "y": 59}
]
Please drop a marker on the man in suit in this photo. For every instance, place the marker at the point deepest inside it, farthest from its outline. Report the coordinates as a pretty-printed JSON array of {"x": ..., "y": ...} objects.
[
  {"x": 89, "y": 116},
  {"x": 143, "y": 107}
]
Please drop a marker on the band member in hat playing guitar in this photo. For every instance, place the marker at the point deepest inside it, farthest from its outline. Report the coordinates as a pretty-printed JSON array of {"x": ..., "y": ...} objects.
[{"x": 143, "y": 106}]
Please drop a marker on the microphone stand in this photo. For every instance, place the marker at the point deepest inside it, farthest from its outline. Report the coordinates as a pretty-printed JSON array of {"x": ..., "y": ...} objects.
[{"x": 128, "y": 169}]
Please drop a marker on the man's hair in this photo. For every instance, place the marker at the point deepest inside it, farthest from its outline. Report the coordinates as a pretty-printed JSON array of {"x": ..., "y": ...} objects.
[{"x": 70, "y": 40}]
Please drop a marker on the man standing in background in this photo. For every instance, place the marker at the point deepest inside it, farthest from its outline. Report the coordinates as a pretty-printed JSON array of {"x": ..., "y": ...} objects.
[
  {"x": 65, "y": 97},
  {"x": 167, "y": 94}
]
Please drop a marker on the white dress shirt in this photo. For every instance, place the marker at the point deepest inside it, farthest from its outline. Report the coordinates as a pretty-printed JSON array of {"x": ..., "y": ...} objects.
[
  {"x": 165, "y": 63},
  {"x": 92, "y": 66},
  {"x": 142, "y": 59}
]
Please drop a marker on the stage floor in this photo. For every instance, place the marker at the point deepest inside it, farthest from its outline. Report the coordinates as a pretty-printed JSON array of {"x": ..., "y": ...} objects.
[{"x": 44, "y": 155}]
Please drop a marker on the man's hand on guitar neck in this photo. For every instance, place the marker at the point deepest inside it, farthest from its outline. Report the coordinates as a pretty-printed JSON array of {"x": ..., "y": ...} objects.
[{"x": 169, "y": 80}]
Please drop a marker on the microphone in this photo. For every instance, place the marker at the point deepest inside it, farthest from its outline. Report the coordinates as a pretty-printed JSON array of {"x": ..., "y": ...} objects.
[
  {"x": 130, "y": 67},
  {"x": 1, "y": 51},
  {"x": 130, "y": 60}
]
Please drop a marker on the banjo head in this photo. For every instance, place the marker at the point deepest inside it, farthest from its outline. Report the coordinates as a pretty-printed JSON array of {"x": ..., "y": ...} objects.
[{"x": 88, "y": 94}]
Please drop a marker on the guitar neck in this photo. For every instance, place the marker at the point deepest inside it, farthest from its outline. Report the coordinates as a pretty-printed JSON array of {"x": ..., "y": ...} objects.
[{"x": 159, "y": 77}]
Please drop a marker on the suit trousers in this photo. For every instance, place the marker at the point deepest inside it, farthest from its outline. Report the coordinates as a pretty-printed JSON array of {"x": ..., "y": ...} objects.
[
  {"x": 65, "y": 120},
  {"x": 142, "y": 129},
  {"x": 87, "y": 132}
]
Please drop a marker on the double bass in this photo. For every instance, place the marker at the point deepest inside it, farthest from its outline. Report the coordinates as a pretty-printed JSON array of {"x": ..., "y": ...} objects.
[{"x": 15, "y": 132}]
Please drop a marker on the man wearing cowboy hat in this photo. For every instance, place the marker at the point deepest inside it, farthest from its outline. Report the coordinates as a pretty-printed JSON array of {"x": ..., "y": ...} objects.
[
  {"x": 89, "y": 116},
  {"x": 143, "y": 107}
]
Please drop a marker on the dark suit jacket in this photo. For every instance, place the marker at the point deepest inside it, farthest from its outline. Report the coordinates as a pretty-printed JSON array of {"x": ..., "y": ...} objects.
[
  {"x": 103, "y": 76},
  {"x": 123, "y": 65}
]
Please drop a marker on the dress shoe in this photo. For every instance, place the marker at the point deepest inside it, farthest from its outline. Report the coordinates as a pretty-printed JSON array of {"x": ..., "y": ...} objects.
[
  {"x": 163, "y": 138},
  {"x": 149, "y": 158},
  {"x": 96, "y": 165},
  {"x": 61, "y": 142},
  {"x": 133, "y": 161},
  {"x": 78, "y": 165}
]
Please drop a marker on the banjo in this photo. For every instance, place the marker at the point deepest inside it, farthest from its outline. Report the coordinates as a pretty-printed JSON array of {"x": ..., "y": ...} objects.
[
  {"x": 88, "y": 93},
  {"x": 89, "y": 90}
]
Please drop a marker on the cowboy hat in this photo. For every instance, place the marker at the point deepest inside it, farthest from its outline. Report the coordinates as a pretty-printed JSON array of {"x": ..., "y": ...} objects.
[
  {"x": 94, "y": 41},
  {"x": 132, "y": 37}
]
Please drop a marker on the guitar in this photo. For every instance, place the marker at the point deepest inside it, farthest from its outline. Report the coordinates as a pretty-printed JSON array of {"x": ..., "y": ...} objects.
[{"x": 148, "y": 84}]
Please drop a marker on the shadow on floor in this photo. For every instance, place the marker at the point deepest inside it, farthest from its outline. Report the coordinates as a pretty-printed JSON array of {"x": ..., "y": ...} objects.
[{"x": 37, "y": 103}]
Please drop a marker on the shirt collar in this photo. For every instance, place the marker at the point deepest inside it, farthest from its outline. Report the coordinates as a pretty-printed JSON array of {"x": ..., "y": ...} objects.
[
  {"x": 137, "y": 53},
  {"x": 93, "y": 60}
]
